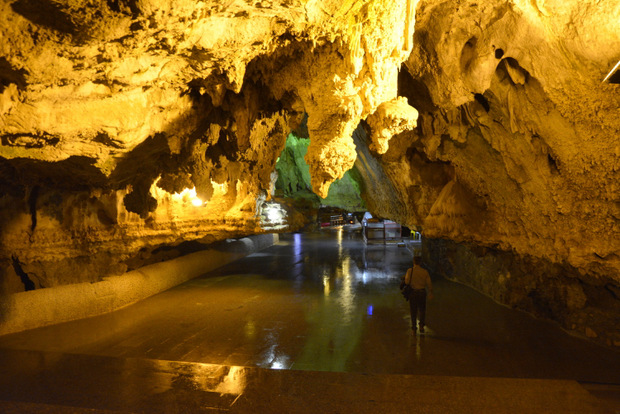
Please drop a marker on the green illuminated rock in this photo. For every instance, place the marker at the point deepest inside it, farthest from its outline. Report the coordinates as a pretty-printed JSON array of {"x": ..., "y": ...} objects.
[{"x": 294, "y": 179}]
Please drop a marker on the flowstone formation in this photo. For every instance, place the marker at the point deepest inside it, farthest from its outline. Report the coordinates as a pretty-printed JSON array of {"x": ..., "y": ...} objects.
[{"x": 130, "y": 125}]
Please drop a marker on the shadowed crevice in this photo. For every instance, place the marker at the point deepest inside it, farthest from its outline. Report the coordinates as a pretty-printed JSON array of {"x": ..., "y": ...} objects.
[
  {"x": 75, "y": 173},
  {"x": 28, "y": 284},
  {"x": 45, "y": 13},
  {"x": 9, "y": 75}
]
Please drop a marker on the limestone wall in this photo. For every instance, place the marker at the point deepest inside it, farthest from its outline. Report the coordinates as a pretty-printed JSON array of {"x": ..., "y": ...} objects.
[{"x": 542, "y": 288}]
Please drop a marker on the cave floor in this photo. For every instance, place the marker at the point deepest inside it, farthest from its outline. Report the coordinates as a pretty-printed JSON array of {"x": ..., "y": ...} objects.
[{"x": 315, "y": 323}]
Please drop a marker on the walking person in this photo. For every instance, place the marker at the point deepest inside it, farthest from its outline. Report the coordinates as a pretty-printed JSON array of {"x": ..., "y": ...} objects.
[{"x": 419, "y": 280}]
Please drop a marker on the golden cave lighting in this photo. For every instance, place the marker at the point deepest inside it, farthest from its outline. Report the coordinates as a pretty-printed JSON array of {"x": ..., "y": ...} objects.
[
  {"x": 188, "y": 195},
  {"x": 219, "y": 188}
]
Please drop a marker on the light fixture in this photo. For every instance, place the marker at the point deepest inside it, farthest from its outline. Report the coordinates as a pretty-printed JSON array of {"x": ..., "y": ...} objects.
[{"x": 273, "y": 214}]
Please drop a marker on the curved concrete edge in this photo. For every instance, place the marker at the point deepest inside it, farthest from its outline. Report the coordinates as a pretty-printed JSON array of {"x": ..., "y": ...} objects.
[{"x": 42, "y": 307}]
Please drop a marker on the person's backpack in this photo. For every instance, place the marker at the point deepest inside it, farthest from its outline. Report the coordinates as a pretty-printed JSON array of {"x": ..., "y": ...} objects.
[{"x": 405, "y": 288}]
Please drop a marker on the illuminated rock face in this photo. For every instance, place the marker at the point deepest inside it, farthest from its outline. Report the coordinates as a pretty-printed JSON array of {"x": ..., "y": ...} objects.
[
  {"x": 294, "y": 182},
  {"x": 518, "y": 150},
  {"x": 529, "y": 129},
  {"x": 109, "y": 109},
  {"x": 128, "y": 125}
]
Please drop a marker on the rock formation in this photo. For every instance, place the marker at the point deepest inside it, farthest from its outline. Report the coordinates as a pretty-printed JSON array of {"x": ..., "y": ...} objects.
[
  {"x": 127, "y": 125},
  {"x": 130, "y": 125},
  {"x": 517, "y": 150},
  {"x": 294, "y": 182}
]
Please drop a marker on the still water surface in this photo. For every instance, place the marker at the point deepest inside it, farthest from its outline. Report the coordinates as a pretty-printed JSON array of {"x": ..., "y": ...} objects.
[{"x": 328, "y": 302}]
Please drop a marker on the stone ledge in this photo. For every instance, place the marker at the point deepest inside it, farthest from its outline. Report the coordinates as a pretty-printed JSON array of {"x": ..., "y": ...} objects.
[
  {"x": 72, "y": 383},
  {"x": 42, "y": 307}
]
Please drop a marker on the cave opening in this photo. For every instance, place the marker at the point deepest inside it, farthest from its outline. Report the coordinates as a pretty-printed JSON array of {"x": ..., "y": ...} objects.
[{"x": 293, "y": 184}]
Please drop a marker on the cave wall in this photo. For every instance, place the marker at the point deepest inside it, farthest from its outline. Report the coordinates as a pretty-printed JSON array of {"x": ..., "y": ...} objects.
[
  {"x": 73, "y": 237},
  {"x": 110, "y": 112},
  {"x": 66, "y": 222},
  {"x": 515, "y": 152},
  {"x": 540, "y": 287},
  {"x": 518, "y": 137}
]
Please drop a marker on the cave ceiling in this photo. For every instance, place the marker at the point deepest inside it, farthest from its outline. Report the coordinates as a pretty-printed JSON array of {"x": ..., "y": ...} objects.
[{"x": 484, "y": 122}]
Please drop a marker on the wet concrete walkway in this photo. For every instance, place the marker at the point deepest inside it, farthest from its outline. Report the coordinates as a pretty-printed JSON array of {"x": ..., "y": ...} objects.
[{"x": 322, "y": 302}]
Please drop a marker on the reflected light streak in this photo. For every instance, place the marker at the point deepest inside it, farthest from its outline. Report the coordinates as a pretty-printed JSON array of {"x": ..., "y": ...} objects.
[
  {"x": 326, "y": 287},
  {"x": 250, "y": 329},
  {"x": 347, "y": 296},
  {"x": 296, "y": 244},
  {"x": 234, "y": 382},
  {"x": 271, "y": 360},
  {"x": 206, "y": 377},
  {"x": 280, "y": 363}
]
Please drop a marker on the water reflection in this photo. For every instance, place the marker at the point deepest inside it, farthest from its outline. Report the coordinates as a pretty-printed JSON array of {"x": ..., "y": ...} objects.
[
  {"x": 336, "y": 319},
  {"x": 273, "y": 357},
  {"x": 311, "y": 302},
  {"x": 206, "y": 386},
  {"x": 326, "y": 283},
  {"x": 417, "y": 345},
  {"x": 250, "y": 329},
  {"x": 297, "y": 244}
]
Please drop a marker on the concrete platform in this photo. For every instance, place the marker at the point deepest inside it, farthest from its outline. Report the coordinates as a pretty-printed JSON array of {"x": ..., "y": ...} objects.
[{"x": 37, "y": 382}]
